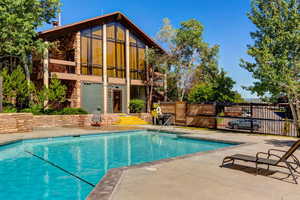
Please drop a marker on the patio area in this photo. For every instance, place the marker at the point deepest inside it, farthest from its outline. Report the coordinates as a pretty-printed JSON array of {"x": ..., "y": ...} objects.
[{"x": 198, "y": 176}]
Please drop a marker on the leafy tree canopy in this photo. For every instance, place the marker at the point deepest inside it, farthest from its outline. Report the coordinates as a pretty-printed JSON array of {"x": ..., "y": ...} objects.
[
  {"x": 218, "y": 90},
  {"x": 19, "y": 20},
  {"x": 191, "y": 61},
  {"x": 276, "y": 51}
]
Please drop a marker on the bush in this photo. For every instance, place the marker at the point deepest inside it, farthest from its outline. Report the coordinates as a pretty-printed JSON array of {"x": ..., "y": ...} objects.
[
  {"x": 37, "y": 110},
  {"x": 136, "y": 105},
  {"x": 72, "y": 111},
  {"x": 9, "y": 109}
]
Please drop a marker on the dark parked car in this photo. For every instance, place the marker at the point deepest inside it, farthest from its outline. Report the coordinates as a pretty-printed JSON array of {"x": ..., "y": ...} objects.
[{"x": 244, "y": 124}]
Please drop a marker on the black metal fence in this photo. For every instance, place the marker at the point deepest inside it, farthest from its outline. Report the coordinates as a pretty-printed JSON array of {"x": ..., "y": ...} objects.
[{"x": 275, "y": 119}]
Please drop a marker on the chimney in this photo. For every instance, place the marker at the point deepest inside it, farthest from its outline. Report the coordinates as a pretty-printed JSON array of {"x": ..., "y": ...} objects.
[
  {"x": 59, "y": 18},
  {"x": 57, "y": 22}
]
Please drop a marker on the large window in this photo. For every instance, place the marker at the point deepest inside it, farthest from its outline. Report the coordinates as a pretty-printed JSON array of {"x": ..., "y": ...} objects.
[
  {"x": 91, "y": 51},
  {"x": 137, "y": 58},
  {"x": 115, "y": 50}
]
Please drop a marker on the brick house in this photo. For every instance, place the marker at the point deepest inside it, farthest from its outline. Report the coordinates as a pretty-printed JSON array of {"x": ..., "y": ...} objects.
[{"x": 101, "y": 61}]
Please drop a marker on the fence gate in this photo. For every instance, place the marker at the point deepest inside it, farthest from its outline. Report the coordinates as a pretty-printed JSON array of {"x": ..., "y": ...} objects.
[
  {"x": 275, "y": 119},
  {"x": 180, "y": 113}
]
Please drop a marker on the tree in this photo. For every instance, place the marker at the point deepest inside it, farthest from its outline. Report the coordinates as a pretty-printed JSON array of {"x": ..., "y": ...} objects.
[
  {"x": 15, "y": 87},
  {"x": 53, "y": 95},
  {"x": 19, "y": 20},
  {"x": 188, "y": 42},
  {"x": 218, "y": 90},
  {"x": 157, "y": 61},
  {"x": 276, "y": 51},
  {"x": 201, "y": 93},
  {"x": 191, "y": 60},
  {"x": 16, "y": 91},
  {"x": 223, "y": 88}
]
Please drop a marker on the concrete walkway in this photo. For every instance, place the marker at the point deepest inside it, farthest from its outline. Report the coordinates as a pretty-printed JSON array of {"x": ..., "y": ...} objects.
[{"x": 200, "y": 177}]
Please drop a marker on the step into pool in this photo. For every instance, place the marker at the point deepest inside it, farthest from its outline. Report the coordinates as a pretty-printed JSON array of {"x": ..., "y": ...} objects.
[{"x": 70, "y": 167}]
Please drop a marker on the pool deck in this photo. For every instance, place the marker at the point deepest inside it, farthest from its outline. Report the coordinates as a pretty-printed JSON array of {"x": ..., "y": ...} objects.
[{"x": 191, "y": 177}]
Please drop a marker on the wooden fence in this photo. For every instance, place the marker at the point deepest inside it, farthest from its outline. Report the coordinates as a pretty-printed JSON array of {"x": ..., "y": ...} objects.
[{"x": 199, "y": 115}]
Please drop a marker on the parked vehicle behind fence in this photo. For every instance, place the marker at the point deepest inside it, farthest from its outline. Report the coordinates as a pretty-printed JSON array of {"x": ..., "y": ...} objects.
[{"x": 245, "y": 124}]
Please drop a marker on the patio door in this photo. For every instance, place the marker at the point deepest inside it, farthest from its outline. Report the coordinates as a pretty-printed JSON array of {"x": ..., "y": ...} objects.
[{"x": 117, "y": 101}]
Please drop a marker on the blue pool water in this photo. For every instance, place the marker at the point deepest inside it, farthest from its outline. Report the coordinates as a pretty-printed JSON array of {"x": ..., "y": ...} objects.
[{"x": 34, "y": 169}]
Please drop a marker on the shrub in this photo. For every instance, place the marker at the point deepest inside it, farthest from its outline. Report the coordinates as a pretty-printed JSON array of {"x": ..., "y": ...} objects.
[
  {"x": 38, "y": 110},
  {"x": 72, "y": 111},
  {"x": 136, "y": 105},
  {"x": 9, "y": 110}
]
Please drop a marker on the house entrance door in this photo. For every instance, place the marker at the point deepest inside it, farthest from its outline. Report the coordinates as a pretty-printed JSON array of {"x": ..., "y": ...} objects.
[{"x": 117, "y": 101}]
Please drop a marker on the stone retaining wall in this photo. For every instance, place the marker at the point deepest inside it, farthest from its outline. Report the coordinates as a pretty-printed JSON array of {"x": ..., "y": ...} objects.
[
  {"x": 25, "y": 122},
  {"x": 15, "y": 122}
]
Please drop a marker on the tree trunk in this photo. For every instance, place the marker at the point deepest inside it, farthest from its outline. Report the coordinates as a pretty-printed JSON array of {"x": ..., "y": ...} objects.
[
  {"x": 294, "y": 105},
  {"x": 26, "y": 68}
]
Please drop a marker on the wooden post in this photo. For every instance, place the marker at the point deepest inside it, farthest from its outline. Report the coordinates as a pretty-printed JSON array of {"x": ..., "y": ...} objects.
[
  {"x": 77, "y": 103},
  {"x": 165, "y": 87},
  {"x": 46, "y": 70},
  {"x": 1, "y": 94},
  {"x": 105, "y": 96},
  {"x": 127, "y": 71}
]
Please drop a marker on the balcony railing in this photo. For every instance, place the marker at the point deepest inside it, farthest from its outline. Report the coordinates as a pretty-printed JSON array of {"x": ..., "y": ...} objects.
[{"x": 62, "y": 66}]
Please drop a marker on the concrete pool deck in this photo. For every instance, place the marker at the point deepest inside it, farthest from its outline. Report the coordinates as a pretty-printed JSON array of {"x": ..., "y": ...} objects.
[
  {"x": 194, "y": 177},
  {"x": 200, "y": 177}
]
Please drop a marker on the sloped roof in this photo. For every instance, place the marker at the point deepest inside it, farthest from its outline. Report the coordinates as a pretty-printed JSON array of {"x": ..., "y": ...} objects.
[{"x": 116, "y": 16}]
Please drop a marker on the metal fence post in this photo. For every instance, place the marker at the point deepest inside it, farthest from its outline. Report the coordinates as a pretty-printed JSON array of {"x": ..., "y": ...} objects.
[
  {"x": 216, "y": 115},
  {"x": 251, "y": 112},
  {"x": 1, "y": 94}
]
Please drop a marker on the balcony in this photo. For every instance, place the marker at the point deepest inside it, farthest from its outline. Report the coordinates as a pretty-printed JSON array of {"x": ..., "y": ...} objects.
[{"x": 62, "y": 66}]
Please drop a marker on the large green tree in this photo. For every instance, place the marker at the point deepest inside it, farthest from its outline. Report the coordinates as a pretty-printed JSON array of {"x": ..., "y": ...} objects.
[
  {"x": 276, "y": 51},
  {"x": 192, "y": 62},
  {"x": 219, "y": 89},
  {"x": 19, "y": 20}
]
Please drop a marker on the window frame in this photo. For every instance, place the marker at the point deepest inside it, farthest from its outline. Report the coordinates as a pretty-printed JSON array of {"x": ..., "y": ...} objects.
[
  {"x": 118, "y": 70},
  {"x": 139, "y": 74},
  {"x": 88, "y": 33}
]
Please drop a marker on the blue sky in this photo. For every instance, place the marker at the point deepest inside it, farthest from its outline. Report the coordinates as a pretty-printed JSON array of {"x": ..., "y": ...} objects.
[{"x": 225, "y": 23}]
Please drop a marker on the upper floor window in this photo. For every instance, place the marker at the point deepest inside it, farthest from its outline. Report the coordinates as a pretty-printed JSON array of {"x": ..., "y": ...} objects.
[
  {"x": 91, "y": 51},
  {"x": 115, "y": 50},
  {"x": 137, "y": 58}
]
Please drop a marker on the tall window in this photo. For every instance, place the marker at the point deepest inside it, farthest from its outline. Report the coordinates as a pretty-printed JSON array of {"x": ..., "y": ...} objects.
[
  {"x": 115, "y": 50},
  {"x": 137, "y": 58},
  {"x": 91, "y": 51}
]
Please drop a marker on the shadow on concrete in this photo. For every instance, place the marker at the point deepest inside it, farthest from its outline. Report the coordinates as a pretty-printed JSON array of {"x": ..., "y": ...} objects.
[
  {"x": 280, "y": 143},
  {"x": 274, "y": 174}
]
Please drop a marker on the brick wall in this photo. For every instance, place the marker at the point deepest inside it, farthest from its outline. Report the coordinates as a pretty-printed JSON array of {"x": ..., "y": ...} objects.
[
  {"x": 70, "y": 120},
  {"x": 15, "y": 122}
]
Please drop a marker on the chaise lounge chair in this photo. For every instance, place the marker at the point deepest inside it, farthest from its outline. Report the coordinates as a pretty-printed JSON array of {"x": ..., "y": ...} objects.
[{"x": 288, "y": 160}]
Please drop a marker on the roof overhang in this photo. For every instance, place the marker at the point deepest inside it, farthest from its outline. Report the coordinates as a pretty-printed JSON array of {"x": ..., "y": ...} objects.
[{"x": 53, "y": 33}]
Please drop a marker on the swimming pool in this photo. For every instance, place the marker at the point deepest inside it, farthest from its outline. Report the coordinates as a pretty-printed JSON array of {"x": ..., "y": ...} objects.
[{"x": 69, "y": 167}]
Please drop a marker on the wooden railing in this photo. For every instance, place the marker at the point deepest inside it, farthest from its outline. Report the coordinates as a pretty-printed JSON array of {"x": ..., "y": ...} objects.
[{"x": 67, "y": 66}]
